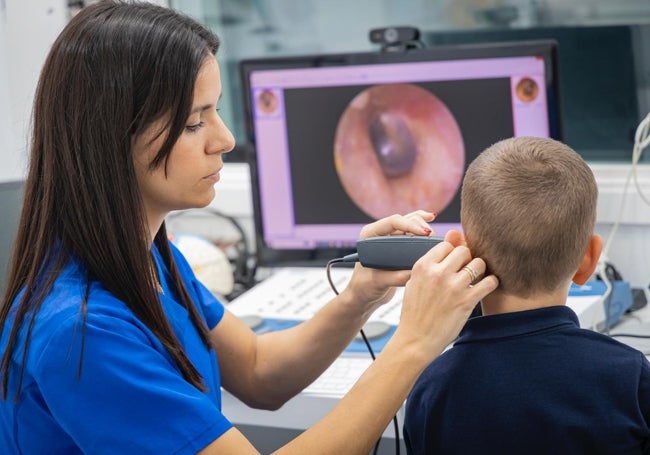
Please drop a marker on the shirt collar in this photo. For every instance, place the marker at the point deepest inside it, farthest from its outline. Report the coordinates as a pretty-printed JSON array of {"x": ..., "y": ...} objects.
[{"x": 507, "y": 325}]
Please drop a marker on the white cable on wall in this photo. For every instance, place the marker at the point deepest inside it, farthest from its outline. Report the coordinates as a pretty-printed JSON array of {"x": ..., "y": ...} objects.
[{"x": 641, "y": 142}]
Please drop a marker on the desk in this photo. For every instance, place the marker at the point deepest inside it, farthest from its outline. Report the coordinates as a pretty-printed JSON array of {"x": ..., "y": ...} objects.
[
  {"x": 307, "y": 408},
  {"x": 636, "y": 323}
]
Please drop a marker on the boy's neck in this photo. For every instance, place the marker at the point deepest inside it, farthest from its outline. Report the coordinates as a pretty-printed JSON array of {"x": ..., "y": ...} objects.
[{"x": 499, "y": 302}]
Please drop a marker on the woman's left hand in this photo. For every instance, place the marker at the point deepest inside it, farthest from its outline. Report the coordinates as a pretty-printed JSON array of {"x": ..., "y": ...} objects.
[{"x": 370, "y": 288}]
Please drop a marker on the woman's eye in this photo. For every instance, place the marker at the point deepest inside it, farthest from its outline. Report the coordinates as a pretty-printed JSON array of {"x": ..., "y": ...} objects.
[{"x": 193, "y": 128}]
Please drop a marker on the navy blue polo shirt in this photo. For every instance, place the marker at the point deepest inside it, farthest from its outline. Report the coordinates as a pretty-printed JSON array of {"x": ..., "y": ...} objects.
[{"x": 531, "y": 382}]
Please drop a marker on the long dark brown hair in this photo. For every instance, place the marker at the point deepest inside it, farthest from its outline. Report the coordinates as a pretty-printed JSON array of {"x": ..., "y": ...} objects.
[{"x": 115, "y": 69}]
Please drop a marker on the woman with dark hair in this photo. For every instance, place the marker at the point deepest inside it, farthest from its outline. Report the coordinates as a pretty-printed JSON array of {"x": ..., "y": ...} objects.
[{"x": 109, "y": 343}]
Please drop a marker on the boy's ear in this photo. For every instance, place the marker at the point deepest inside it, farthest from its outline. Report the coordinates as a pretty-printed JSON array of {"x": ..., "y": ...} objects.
[
  {"x": 589, "y": 260},
  {"x": 455, "y": 237}
]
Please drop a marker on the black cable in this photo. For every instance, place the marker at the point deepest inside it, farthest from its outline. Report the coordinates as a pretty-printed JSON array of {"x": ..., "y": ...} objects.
[
  {"x": 353, "y": 258},
  {"x": 333, "y": 286}
]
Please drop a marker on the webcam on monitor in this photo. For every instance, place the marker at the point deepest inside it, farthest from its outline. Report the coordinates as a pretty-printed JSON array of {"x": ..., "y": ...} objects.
[{"x": 396, "y": 38}]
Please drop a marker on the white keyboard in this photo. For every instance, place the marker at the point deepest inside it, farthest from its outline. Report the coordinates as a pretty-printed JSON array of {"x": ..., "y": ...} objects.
[{"x": 297, "y": 293}]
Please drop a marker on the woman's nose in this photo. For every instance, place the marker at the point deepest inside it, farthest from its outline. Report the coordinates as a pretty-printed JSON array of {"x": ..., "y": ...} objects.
[{"x": 222, "y": 140}]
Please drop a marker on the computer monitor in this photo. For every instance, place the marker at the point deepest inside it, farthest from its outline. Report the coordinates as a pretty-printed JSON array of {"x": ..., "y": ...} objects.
[{"x": 342, "y": 140}]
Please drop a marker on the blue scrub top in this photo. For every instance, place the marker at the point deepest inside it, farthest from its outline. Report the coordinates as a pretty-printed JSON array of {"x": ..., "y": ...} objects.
[{"x": 131, "y": 396}]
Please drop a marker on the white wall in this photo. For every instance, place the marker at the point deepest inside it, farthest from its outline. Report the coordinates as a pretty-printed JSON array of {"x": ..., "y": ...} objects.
[
  {"x": 7, "y": 140},
  {"x": 630, "y": 246},
  {"x": 27, "y": 30}
]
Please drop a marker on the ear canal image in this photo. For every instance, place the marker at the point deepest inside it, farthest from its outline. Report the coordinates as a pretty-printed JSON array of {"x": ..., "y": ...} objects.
[
  {"x": 393, "y": 143},
  {"x": 398, "y": 148}
]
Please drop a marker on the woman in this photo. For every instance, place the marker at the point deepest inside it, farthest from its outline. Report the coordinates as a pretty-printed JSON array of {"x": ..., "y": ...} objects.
[{"x": 109, "y": 342}]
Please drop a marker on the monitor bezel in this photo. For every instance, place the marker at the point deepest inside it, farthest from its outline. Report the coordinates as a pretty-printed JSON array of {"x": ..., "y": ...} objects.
[{"x": 269, "y": 257}]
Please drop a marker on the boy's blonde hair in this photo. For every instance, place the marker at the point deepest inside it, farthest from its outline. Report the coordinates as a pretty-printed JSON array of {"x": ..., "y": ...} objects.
[{"x": 528, "y": 208}]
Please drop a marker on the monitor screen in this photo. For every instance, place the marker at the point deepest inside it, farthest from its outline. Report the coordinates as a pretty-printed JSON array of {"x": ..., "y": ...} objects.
[{"x": 342, "y": 140}]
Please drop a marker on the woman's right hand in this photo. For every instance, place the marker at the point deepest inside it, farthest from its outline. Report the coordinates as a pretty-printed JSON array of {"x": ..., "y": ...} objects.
[
  {"x": 440, "y": 295},
  {"x": 369, "y": 288}
]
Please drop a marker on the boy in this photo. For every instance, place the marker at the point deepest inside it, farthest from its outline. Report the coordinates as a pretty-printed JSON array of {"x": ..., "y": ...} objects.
[{"x": 524, "y": 378}]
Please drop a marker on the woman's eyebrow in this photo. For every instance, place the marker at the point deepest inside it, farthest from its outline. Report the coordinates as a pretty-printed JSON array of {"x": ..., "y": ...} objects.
[
  {"x": 201, "y": 108},
  {"x": 205, "y": 107}
]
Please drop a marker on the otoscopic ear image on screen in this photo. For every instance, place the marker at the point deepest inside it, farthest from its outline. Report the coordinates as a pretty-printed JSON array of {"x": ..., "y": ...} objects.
[
  {"x": 341, "y": 143},
  {"x": 407, "y": 144},
  {"x": 390, "y": 148}
]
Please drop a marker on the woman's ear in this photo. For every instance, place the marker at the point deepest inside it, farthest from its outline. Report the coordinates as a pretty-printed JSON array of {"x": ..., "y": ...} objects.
[
  {"x": 456, "y": 238},
  {"x": 589, "y": 260}
]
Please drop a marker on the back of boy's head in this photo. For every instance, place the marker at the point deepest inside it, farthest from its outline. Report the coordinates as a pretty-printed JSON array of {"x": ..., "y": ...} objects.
[{"x": 528, "y": 208}]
